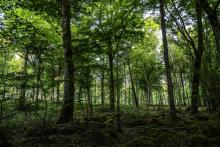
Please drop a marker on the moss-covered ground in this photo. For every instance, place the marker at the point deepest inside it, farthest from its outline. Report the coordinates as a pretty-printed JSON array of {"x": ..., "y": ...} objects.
[{"x": 139, "y": 128}]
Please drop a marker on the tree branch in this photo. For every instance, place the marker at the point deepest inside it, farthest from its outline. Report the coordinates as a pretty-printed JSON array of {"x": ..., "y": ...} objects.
[{"x": 216, "y": 6}]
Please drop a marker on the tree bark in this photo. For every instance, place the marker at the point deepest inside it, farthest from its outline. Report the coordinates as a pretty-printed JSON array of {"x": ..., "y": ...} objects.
[
  {"x": 183, "y": 89},
  {"x": 167, "y": 64},
  {"x": 118, "y": 99},
  {"x": 67, "y": 109},
  {"x": 198, "y": 61},
  {"x": 102, "y": 89},
  {"x": 58, "y": 92},
  {"x": 22, "y": 98},
  {"x": 111, "y": 81},
  {"x": 132, "y": 85}
]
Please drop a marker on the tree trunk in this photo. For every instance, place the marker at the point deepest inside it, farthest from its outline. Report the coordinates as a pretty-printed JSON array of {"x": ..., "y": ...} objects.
[
  {"x": 38, "y": 86},
  {"x": 58, "y": 92},
  {"x": 1, "y": 110},
  {"x": 183, "y": 89},
  {"x": 167, "y": 64},
  {"x": 132, "y": 84},
  {"x": 102, "y": 89},
  {"x": 125, "y": 87},
  {"x": 111, "y": 81},
  {"x": 95, "y": 92},
  {"x": 89, "y": 98},
  {"x": 22, "y": 99},
  {"x": 67, "y": 109},
  {"x": 118, "y": 100},
  {"x": 198, "y": 61}
]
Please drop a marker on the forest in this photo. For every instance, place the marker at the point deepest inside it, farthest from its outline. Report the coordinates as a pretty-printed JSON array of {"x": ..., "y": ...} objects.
[{"x": 126, "y": 73}]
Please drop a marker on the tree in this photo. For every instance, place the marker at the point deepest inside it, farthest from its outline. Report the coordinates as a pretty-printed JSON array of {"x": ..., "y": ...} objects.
[
  {"x": 198, "y": 60},
  {"x": 166, "y": 60},
  {"x": 67, "y": 109}
]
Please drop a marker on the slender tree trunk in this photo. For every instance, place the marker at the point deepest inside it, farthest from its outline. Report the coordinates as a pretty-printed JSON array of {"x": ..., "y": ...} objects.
[
  {"x": 1, "y": 110},
  {"x": 22, "y": 99},
  {"x": 198, "y": 61},
  {"x": 95, "y": 92},
  {"x": 132, "y": 85},
  {"x": 80, "y": 95},
  {"x": 53, "y": 90},
  {"x": 111, "y": 81},
  {"x": 38, "y": 84},
  {"x": 167, "y": 64},
  {"x": 58, "y": 92},
  {"x": 183, "y": 89},
  {"x": 67, "y": 109},
  {"x": 125, "y": 87},
  {"x": 118, "y": 100},
  {"x": 102, "y": 89},
  {"x": 89, "y": 99}
]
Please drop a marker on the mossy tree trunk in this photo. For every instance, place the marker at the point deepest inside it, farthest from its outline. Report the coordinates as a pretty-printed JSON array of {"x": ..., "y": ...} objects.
[
  {"x": 67, "y": 109},
  {"x": 198, "y": 61}
]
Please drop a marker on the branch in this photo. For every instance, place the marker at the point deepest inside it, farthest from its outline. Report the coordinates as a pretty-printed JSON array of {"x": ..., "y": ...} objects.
[
  {"x": 181, "y": 27},
  {"x": 216, "y": 6}
]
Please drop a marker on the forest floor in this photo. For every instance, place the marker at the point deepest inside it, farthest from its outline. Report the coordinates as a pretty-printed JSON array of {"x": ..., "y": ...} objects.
[{"x": 139, "y": 128}]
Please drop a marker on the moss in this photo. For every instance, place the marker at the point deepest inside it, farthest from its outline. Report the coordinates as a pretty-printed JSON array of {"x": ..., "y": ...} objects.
[
  {"x": 199, "y": 140},
  {"x": 201, "y": 117},
  {"x": 70, "y": 128},
  {"x": 137, "y": 122},
  {"x": 98, "y": 137},
  {"x": 166, "y": 139},
  {"x": 142, "y": 141},
  {"x": 215, "y": 142},
  {"x": 157, "y": 122}
]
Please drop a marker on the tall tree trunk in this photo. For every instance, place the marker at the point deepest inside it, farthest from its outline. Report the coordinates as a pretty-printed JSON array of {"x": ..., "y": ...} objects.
[
  {"x": 111, "y": 81},
  {"x": 198, "y": 61},
  {"x": 89, "y": 98},
  {"x": 214, "y": 21},
  {"x": 125, "y": 87},
  {"x": 38, "y": 85},
  {"x": 22, "y": 98},
  {"x": 167, "y": 64},
  {"x": 118, "y": 100},
  {"x": 132, "y": 84},
  {"x": 67, "y": 109},
  {"x": 183, "y": 89},
  {"x": 102, "y": 88},
  {"x": 95, "y": 92},
  {"x": 58, "y": 92}
]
